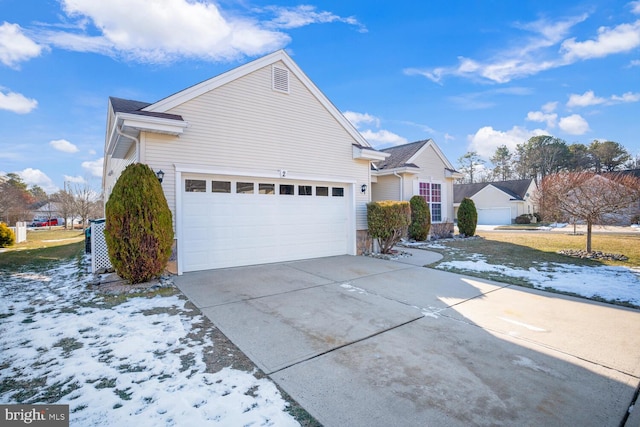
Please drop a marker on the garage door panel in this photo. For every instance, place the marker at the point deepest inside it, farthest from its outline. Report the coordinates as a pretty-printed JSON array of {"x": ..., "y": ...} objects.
[
  {"x": 494, "y": 216},
  {"x": 227, "y": 229}
]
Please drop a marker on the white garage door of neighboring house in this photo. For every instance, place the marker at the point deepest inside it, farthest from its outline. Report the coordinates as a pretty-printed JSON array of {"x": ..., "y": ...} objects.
[
  {"x": 229, "y": 222},
  {"x": 494, "y": 216}
]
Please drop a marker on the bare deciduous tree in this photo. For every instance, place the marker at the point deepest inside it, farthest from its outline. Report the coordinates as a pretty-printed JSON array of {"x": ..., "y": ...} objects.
[
  {"x": 590, "y": 197},
  {"x": 85, "y": 198}
]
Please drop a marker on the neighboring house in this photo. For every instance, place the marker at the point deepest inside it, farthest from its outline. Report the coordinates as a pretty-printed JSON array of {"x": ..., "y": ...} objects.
[
  {"x": 417, "y": 168},
  {"x": 259, "y": 166},
  {"x": 498, "y": 203},
  {"x": 43, "y": 211}
]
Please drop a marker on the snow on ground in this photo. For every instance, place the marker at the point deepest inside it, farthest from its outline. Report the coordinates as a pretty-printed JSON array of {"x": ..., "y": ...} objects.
[
  {"x": 132, "y": 364},
  {"x": 620, "y": 284}
]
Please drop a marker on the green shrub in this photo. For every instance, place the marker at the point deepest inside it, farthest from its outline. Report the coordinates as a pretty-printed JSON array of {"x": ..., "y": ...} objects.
[
  {"x": 538, "y": 217},
  {"x": 420, "y": 219},
  {"x": 388, "y": 222},
  {"x": 7, "y": 238},
  {"x": 467, "y": 217},
  {"x": 523, "y": 219},
  {"x": 138, "y": 229}
]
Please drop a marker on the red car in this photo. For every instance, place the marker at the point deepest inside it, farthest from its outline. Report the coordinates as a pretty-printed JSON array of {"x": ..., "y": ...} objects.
[{"x": 52, "y": 221}]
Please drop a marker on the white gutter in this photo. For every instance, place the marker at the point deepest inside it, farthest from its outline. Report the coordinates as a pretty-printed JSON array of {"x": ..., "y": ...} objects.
[
  {"x": 401, "y": 185},
  {"x": 136, "y": 140}
]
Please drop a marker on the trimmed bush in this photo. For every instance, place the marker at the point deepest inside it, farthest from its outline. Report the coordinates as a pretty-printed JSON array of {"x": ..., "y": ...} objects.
[
  {"x": 523, "y": 219},
  {"x": 138, "y": 229},
  {"x": 7, "y": 238},
  {"x": 467, "y": 217},
  {"x": 388, "y": 222},
  {"x": 420, "y": 219}
]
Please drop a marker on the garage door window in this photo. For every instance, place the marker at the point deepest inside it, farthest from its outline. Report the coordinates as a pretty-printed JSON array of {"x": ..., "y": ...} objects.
[
  {"x": 305, "y": 190},
  {"x": 286, "y": 189},
  {"x": 244, "y": 187},
  {"x": 195, "y": 185},
  {"x": 220, "y": 186},
  {"x": 266, "y": 188},
  {"x": 337, "y": 192},
  {"x": 322, "y": 191}
]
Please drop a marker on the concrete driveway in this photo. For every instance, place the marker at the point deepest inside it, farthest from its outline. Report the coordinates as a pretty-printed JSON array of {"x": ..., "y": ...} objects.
[{"x": 359, "y": 341}]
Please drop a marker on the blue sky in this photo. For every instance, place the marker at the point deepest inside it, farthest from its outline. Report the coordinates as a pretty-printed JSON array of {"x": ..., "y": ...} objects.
[{"x": 472, "y": 75}]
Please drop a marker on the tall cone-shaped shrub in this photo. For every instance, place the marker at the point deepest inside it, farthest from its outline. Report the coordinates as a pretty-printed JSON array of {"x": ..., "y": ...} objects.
[
  {"x": 138, "y": 229},
  {"x": 420, "y": 219},
  {"x": 467, "y": 217}
]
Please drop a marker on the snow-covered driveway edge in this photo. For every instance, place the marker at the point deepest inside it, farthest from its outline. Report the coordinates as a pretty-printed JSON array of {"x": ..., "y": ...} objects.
[
  {"x": 618, "y": 285},
  {"x": 140, "y": 362}
]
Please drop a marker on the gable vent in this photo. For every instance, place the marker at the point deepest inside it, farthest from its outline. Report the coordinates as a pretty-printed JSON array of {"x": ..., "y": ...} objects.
[{"x": 280, "y": 79}]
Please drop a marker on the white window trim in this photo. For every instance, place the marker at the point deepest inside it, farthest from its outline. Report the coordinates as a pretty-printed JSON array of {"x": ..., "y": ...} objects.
[{"x": 443, "y": 197}]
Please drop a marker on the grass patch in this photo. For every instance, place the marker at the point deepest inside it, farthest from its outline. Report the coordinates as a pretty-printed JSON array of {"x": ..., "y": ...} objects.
[
  {"x": 41, "y": 249},
  {"x": 528, "y": 249},
  {"x": 546, "y": 245}
]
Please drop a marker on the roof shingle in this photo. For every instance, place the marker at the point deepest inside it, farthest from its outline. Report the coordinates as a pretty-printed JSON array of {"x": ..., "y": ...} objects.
[{"x": 517, "y": 189}]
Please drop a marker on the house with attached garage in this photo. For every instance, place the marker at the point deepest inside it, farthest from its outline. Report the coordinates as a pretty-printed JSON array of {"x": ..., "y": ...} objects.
[
  {"x": 259, "y": 166},
  {"x": 418, "y": 168},
  {"x": 498, "y": 203}
]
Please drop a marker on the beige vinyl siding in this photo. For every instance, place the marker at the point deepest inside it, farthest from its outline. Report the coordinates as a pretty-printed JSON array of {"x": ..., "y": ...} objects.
[
  {"x": 156, "y": 153},
  {"x": 491, "y": 197},
  {"x": 115, "y": 168},
  {"x": 387, "y": 188},
  {"x": 246, "y": 125},
  {"x": 433, "y": 170}
]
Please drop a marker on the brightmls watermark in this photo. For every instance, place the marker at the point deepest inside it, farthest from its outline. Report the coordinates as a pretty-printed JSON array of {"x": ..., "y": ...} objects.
[{"x": 34, "y": 415}]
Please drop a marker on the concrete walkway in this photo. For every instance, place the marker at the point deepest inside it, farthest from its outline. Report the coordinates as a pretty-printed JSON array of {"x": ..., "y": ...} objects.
[{"x": 359, "y": 341}]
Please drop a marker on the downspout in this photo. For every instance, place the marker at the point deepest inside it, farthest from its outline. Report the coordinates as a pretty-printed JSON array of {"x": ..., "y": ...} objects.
[
  {"x": 401, "y": 185},
  {"x": 136, "y": 140}
]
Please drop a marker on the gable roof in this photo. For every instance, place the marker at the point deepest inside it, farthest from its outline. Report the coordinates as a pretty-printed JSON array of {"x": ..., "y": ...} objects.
[
  {"x": 196, "y": 90},
  {"x": 130, "y": 106},
  {"x": 404, "y": 156},
  {"x": 516, "y": 189},
  {"x": 400, "y": 155}
]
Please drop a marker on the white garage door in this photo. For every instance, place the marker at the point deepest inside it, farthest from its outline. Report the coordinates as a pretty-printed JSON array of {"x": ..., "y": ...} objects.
[
  {"x": 494, "y": 216},
  {"x": 228, "y": 222}
]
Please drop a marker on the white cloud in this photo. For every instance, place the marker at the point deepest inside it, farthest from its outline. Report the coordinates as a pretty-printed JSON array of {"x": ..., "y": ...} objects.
[
  {"x": 302, "y": 15},
  {"x": 635, "y": 7},
  {"x": 383, "y": 137},
  {"x": 36, "y": 177},
  {"x": 487, "y": 139},
  {"x": 634, "y": 63},
  {"x": 586, "y": 99},
  {"x": 378, "y": 137},
  {"x": 539, "y": 116},
  {"x": 621, "y": 38},
  {"x": 540, "y": 52},
  {"x": 529, "y": 55},
  {"x": 448, "y": 137},
  {"x": 574, "y": 124},
  {"x": 16, "y": 102},
  {"x": 15, "y": 47},
  {"x": 626, "y": 97},
  {"x": 549, "y": 107},
  {"x": 589, "y": 98},
  {"x": 94, "y": 167},
  {"x": 64, "y": 146},
  {"x": 180, "y": 29},
  {"x": 76, "y": 179},
  {"x": 171, "y": 29},
  {"x": 357, "y": 119}
]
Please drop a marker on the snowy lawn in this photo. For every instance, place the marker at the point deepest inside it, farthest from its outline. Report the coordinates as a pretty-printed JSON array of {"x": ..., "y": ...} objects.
[
  {"x": 620, "y": 285},
  {"x": 138, "y": 361}
]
